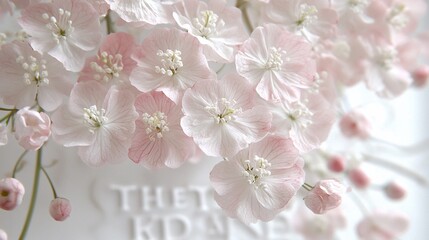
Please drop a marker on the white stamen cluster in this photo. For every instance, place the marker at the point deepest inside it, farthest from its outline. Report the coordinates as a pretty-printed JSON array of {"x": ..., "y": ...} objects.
[
  {"x": 35, "y": 70},
  {"x": 307, "y": 15},
  {"x": 386, "y": 57},
  {"x": 171, "y": 61},
  {"x": 110, "y": 66},
  {"x": 300, "y": 115},
  {"x": 275, "y": 61},
  {"x": 94, "y": 118},
  {"x": 223, "y": 112},
  {"x": 397, "y": 17},
  {"x": 255, "y": 169},
  {"x": 61, "y": 27},
  {"x": 156, "y": 124},
  {"x": 358, "y": 6},
  {"x": 207, "y": 24}
]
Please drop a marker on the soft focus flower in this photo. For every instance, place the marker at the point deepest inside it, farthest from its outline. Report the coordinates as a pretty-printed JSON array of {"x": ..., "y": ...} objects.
[
  {"x": 159, "y": 140},
  {"x": 421, "y": 76},
  {"x": 395, "y": 191},
  {"x": 148, "y": 11},
  {"x": 32, "y": 128},
  {"x": 336, "y": 163},
  {"x": 259, "y": 181},
  {"x": 28, "y": 76},
  {"x": 3, "y": 134},
  {"x": 3, "y": 235},
  {"x": 222, "y": 116},
  {"x": 359, "y": 178},
  {"x": 382, "y": 225},
  {"x": 355, "y": 124},
  {"x": 60, "y": 209},
  {"x": 326, "y": 195},
  {"x": 65, "y": 29},
  {"x": 11, "y": 193}
]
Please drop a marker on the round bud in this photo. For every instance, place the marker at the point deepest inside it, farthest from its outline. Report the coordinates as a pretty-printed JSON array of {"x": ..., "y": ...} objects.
[
  {"x": 336, "y": 163},
  {"x": 359, "y": 178},
  {"x": 395, "y": 191},
  {"x": 60, "y": 209}
]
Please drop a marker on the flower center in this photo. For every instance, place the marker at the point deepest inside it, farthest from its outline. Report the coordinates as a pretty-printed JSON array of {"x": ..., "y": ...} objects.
[
  {"x": 4, "y": 193},
  {"x": 35, "y": 70},
  {"x": 62, "y": 27},
  {"x": 307, "y": 15},
  {"x": 397, "y": 17},
  {"x": 255, "y": 169},
  {"x": 300, "y": 115},
  {"x": 386, "y": 57},
  {"x": 156, "y": 124},
  {"x": 358, "y": 6},
  {"x": 109, "y": 67},
  {"x": 223, "y": 111},
  {"x": 171, "y": 61},
  {"x": 94, "y": 118},
  {"x": 207, "y": 23},
  {"x": 275, "y": 61}
]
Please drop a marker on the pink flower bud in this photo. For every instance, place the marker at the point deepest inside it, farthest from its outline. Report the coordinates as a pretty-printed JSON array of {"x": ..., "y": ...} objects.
[
  {"x": 326, "y": 195},
  {"x": 32, "y": 128},
  {"x": 421, "y": 76},
  {"x": 359, "y": 178},
  {"x": 337, "y": 163},
  {"x": 60, "y": 209},
  {"x": 11, "y": 193},
  {"x": 355, "y": 124},
  {"x": 3, "y": 235},
  {"x": 395, "y": 191}
]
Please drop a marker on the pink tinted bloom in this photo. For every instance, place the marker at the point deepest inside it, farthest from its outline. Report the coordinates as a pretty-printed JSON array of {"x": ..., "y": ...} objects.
[
  {"x": 98, "y": 120},
  {"x": 148, "y": 11},
  {"x": 222, "y": 117},
  {"x": 277, "y": 62},
  {"x": 32, "y": 129},
  {"x": 11, "y": 193},
  {"x": 65, "y": 29},
  {"x": 336, "y": 163},
  {"x": 113, "y": 64},
  {"x": 258, "y": 182},
  {"x": 326, "y": 195},
  {"x": 3, "y": 134},
  {"x": 421, "y": 76},
  {"x": 30, "y": 77},
  {"x": 60, "y": 209},
  {"x": 359, "y": 178},
  {"x": 382, "y": 225},
  {"x": 355, "y": 124},
  {"x": 3, "y": 235},
  {"x": 212, "y": 24},
  {"x": 170, "y": 61},
  {"x": 395, "y": 191},
  {"x": 159, "y": 140}
]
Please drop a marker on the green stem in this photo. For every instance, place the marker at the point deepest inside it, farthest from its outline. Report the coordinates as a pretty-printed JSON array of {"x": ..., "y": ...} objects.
[
  {"x": 33, "y": 194},
  {"x": 15, "y": 168},
  {"x": 242, "y": 5},
  {"x": 50, "y": 182},
  {"x": 109, "y": 23},
  {"x": 307, "y": 186},
  {"x": 7, "y": 117},
  {"x": 7, "y": 109}
]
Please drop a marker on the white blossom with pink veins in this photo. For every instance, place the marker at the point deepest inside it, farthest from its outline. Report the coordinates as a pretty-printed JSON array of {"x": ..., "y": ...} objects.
[
  {"x": 32, "y": 129},
  {"x": 113, "y": 64},
  {"x": 98, "y": 120},
  {"x": 29, "y": 76},
  {"x": 382, "y": 225},
  {"x": 277, "y": 62},
  {"x": 169, "y": 61},
  {"x": 218, "y": 27},
  {"x": 148, "y": 11},
  {"x": 258, "y": 182},
  {"x": 65, "y": 29},
  {"x": 159, "y": 139},
  {"x": 222, "y": 116}
]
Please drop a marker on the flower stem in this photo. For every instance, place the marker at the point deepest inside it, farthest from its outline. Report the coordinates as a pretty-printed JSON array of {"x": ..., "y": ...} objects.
[
  {"x": 50, "y": 182},
  {"x": 307, "y": 186},
  {"x": 7, "y": 109},
  {"x": 33, "y": 194},
  {"x": 18, "y": 162},
  {"x": 109, "y": 23},
  {"x": 242, "y": 5}
]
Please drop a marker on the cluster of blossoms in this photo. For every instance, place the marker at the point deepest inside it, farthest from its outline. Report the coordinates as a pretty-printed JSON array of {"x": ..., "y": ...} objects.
[{"x": 183, "y": 79}]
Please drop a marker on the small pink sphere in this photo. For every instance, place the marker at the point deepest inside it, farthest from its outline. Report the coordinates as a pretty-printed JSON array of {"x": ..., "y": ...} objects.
[
  {"x": 421, "y": 76},
  {"x": 336, "y": 163},
  {"x": 395, "y": 191},
  {"x": 355, "y": 124},
  {"x": 359, "y": 178},
  {"x": 60, "y": 209}
]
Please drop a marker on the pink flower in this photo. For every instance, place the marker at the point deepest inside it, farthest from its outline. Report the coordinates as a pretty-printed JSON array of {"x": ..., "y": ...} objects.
[
  {"x": 148, "y": 11},
  {"x": 11, "y": 193},
  {"x": 277, "y": 62},
  {"x": 395, "y": 191},
  {"x": 355, "y": 124},
  {"x": 326, "y": 195},
  {"x": 421, "y": 76},
  {"x": 3, "y": 134},
  {"x": 212, "y": 23},
  {"x": 359, "y": 178},
  {"x": 3, "y": 235},
  {"x": 98, "y": 120},
  {"x": 159, "y": 140},
  {"x": 60, "y": 209},
  {"x": 170, "y": 61},
  {"x": 65, "y": 29},
  {"x": 29, "y": 77},
  {"x": 259, "y": 181},
  {"x": 382, "y": 225},
  {"x": 32, "y": 129},
  {"x": 336, "y": 163},
  {"x": 222, "y": 117}
]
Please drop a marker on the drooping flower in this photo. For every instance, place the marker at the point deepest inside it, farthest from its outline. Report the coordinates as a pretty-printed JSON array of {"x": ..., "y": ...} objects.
[
  {"x": 222, "y": 116},
  {"x": 29, "y": 77},
  {"x": 326, "y": 195},
  {"x": 259, "y": 181},
  {"x": 148, "y": 11},
  {"x": 32, "y": 129},
  {"x": 65, "y": 29},
  {"x": 382, "y": 225},
  {"x": 212, "y": 23},
  {"x": 159, "y": 139},
  {"x": 11, "y": 193},
  {"x": 3, "y": 135},
  {"x": 277, "y": 62},
  {"x": 170, "y": 61},
  {"x": 60, "y": 209},
  {"x": 98, "y": 120}
]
